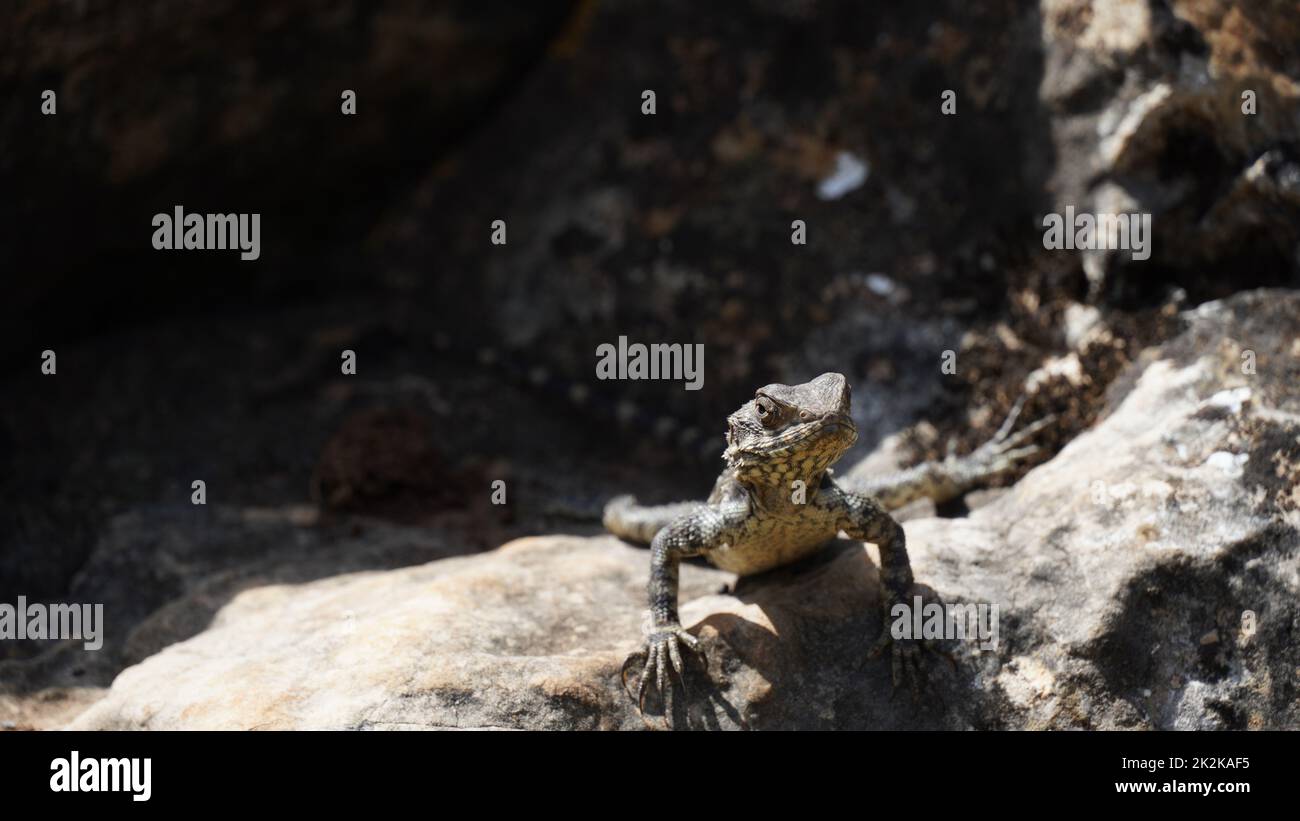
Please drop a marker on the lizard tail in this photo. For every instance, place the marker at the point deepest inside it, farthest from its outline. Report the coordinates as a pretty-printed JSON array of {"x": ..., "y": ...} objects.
[{"x": 638, "y": 523}]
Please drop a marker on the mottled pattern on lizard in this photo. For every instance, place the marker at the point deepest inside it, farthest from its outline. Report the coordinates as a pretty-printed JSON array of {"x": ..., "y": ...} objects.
[{"x": 757, "y": 518}]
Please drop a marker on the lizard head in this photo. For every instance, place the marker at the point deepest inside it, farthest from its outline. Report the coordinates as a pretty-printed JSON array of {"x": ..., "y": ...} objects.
[{"x": 789, "y": 432}]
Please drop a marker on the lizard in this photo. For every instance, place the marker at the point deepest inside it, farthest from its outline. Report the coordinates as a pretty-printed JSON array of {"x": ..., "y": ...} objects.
[{"x": 758, "y": 518}]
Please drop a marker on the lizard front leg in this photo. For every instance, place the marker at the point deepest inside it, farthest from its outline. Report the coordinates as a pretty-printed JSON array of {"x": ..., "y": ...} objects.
[
  {"x": 705, "y": 528},
  {"x": 863, "y": 517}
]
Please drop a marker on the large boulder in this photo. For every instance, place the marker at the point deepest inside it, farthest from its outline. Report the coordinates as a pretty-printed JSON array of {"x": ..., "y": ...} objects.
[
  {"x": 1186, "y": 110},
  {"x": 1146, "y": 577}
]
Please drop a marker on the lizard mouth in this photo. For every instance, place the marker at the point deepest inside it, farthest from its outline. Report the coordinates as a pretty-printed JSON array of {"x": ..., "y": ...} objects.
[{"x": 833, "y": 431}]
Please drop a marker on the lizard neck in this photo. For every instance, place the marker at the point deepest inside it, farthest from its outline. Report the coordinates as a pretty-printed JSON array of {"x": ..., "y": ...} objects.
[{"x": 783, "y": 495}]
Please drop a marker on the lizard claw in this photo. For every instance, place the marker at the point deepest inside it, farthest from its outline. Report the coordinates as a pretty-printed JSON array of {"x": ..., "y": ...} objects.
[
  {"x": 662, "y": 650},
  {"x": 1024, "y": 433},
  {"x": 905, "y": 662},
  {"x": 906, "y": 666},
  {"x": 1010, "y": 421}
]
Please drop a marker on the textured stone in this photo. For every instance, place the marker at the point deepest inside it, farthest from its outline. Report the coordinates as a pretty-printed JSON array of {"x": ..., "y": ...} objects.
[{"x": 1146, "y": 101}]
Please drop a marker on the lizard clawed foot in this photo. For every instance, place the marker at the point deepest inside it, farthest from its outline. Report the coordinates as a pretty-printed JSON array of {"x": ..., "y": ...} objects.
[
  {"x": 906, "y": 661},
  {"x": 1005, "y": 450},
  {"x": 662, "y": 648}
]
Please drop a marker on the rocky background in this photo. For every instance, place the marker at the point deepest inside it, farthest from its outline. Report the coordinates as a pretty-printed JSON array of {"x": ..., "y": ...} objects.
[{"x": 349, "y": 570}]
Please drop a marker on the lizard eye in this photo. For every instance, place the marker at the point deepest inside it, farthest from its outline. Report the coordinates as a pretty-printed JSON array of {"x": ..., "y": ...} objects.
[{"x": 767, "y": 411}]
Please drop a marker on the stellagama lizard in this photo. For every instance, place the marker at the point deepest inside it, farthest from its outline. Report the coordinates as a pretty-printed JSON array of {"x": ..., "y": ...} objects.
[{"x": 756, "y": 519}]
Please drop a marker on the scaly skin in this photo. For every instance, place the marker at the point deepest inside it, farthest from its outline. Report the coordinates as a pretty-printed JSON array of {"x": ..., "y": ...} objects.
[{"x": 756, "y": 518}]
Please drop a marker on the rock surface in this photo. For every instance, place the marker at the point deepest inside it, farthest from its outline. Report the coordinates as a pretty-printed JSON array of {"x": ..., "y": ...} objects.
[
  {"x": 1188, "y": 111},
  {"x": 1147, "y": 577},
  {"x": 163, "y": 572}
]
